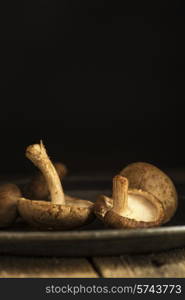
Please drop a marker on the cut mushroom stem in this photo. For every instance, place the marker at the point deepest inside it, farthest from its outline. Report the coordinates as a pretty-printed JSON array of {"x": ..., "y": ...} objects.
[
  {"x": 38, "y": 155},
  {"x": 120, "y": 194},
  {"x": 37, "y": 188}
]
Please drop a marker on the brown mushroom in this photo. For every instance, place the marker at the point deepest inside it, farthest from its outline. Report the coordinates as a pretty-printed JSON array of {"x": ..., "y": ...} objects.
[
  {"x": 63, "y": 212},
  {"x": 151, "y": 179},
  {"x": 37, "y": 188},
  {"x": 9, "y": 195},
  {"x": 143, "y": 197}
]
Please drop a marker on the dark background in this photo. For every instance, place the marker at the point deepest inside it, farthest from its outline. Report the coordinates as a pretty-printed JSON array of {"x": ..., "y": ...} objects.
[{"x": 100, "y": 82}]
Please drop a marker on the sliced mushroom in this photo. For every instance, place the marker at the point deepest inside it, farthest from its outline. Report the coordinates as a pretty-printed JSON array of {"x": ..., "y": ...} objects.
[
  {"x": 63, "y": 212},
  {"x": 9, "y": 195},
  {"x": 150, "y": 200},
  {"x": 37, "y": 188}
]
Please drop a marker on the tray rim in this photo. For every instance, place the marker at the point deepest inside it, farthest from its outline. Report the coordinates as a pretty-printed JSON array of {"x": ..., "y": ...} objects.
[{"x": 90, "y": 234}]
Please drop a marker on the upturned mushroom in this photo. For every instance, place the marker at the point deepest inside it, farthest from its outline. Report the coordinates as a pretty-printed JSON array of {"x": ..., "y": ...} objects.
[
  {"x": 63, "y": 212},
  {"x": 37, "y": 187},
  {"x": 143, "y": 196},
  {"x": 9, "y": 195}
]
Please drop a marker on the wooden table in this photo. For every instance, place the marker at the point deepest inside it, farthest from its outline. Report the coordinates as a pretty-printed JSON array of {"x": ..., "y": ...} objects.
[{"x": 165, "y": 264}]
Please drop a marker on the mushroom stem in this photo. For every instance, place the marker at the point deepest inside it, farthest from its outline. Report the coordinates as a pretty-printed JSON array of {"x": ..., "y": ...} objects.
[
  {"x": 38, "y": 155},
  {"x": 120, "y": 194}
]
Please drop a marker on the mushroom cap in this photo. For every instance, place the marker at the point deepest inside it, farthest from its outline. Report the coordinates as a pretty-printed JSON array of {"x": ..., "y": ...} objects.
[
  {"x": 45, "y": 215},
  {"x": 61, "y": 169},
  {"x": 151, "y": 179},
  {"x": 102, "y": 205},
  {"x": 37, "y": 187},
  {"x": 9, "y": 195},
  {"x": 135, "y": 215}
]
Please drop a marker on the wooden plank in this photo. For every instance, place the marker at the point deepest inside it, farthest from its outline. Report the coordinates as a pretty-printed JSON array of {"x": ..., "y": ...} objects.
[
  {"x": 165, "y": 264},
  {"x": 109, "y": 266},
  {"x": 27, "y": 267}
]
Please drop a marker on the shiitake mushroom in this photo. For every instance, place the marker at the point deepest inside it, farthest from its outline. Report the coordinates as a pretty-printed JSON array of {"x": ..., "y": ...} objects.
[
  {"x": 63, "y": 212},
  {"x": 143, "y": 196}
]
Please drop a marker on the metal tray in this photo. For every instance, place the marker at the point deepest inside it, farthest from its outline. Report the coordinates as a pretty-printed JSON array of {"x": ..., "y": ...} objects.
[{"x": 94, "y": 239}]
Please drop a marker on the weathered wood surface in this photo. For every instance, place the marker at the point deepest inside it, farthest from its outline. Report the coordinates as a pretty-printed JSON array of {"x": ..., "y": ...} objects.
[
  {"x": 27, "y": 267},
  {"x": 162, "y": 265},
  {"x": 166, "y": 264}
]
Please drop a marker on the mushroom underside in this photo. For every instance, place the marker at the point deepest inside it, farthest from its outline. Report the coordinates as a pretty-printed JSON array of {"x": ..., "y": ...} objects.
[
  {"x": 149, "y": 178},
  {"x": 45, "y": 215},
  {"x": 142, "y": 210}
]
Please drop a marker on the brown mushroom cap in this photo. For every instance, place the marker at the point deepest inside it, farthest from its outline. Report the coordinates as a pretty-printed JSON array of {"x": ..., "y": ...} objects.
[
  {"x": 102, "y": 205},
  {"x": 45, "y": 215},
  {"x": 151, "y": 179},
  {"x": 9, "y": 195},
  {"x": 37, "y": 188}
]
